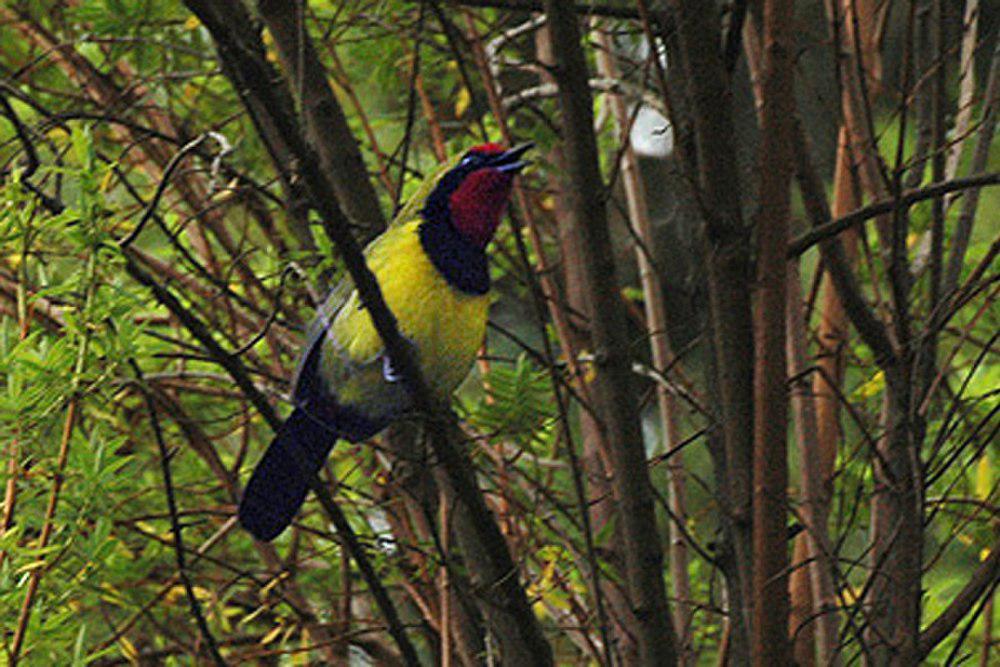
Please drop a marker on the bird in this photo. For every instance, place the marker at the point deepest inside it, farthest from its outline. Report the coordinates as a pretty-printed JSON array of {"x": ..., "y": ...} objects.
[{"x": 431, "y": 265}]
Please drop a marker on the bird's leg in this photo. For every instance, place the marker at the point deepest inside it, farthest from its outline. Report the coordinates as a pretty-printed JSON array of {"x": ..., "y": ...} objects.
[{"x": 389, "y": 372}]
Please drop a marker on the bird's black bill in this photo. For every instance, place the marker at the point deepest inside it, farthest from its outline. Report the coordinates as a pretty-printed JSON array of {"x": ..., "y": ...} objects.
[{"x": 510, "y": 161}]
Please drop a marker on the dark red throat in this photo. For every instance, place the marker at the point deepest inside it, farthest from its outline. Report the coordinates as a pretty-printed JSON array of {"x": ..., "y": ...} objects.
[{"x": 478, "y": 204}]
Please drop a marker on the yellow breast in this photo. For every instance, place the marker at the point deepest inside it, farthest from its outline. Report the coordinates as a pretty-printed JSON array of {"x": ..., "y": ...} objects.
[{"x": 445, "y": 325}]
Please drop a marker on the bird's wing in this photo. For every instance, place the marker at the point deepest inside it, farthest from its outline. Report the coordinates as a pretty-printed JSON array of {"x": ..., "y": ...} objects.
[
  {"x": 334, "y": 302},
  {"x": 336, "y": 360}
]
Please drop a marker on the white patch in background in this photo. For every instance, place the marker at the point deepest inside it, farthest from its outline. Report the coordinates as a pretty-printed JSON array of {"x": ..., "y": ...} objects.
[{"x": 652, "y": 136}]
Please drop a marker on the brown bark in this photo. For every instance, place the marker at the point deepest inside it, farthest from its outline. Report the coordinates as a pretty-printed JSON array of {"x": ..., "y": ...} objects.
[
  {"x": 601, "y": 507},
  {"x": 814, "y": 626},
  {"x": 897, "y": 525},
  {"x": 897, "y": 530},
  {"x": 832, "y": 327},
  {"x": 770, "y": 557},
  {"x": 833, "y": 339},
  {"x": 656, "y": 326},
  {"x": 612, "y": 398},
  {"x": 729, "y": 296},
  {"x": 595, "y": 499},
  {"x": 810, "y": 566},
  {"x": 898, "y": 581},
  {"x": 858, "y": 24},
  {"x": 491, "y": 567},
  {"x": 323, "y": 118},
  {"x": 982, "y": 582},
  {"x": 872, "y": 330}
]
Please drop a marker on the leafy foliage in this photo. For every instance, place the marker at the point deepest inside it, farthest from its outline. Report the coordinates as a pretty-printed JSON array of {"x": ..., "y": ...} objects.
[{"x": 105, "y": 94}]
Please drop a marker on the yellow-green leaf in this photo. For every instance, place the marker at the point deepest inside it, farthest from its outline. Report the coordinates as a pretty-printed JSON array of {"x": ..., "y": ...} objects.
[
  {"x": 462, "y": 101},
  {"x": 129, "y": 651},
  {"x": 984, "y": 477},
  {"x": 271, "y": 635}
]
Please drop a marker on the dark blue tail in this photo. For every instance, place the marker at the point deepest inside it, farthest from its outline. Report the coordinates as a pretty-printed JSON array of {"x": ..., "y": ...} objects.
[{"x": 278, "y": 486}]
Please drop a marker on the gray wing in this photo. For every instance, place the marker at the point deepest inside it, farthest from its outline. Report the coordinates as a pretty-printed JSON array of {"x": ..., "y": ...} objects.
[{"x": 316, "y": 333}]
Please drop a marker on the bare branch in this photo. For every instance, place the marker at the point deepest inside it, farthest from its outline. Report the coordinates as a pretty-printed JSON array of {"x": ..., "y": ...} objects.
[
  {"x": 508, "y": 609},
  {"x": 982, "y": 582},
  {"x": 826, "y": 229}
]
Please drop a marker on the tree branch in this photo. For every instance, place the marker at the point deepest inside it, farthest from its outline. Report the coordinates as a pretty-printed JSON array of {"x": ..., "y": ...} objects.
[
  {"x": 980, "y": 158},
  {"x": 617, "y": 411},
  {"x": 727, "y": 255},
  {"x": 507, "y": 608},
  {"x": 769, "y": 629},
  {"x": 983, "y": 581},
  {"x": 235, "y": 367},
  {"x": 325, "y": 125},
  {"x": 824, "y": 230},
  {"x": 537, "y": 6},
  {"x": 873, "y": 332},
  {"x": 175, "y": 524}
]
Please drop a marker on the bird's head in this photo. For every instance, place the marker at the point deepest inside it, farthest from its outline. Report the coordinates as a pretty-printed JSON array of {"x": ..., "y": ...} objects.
[{"x": 472, "y": 193}]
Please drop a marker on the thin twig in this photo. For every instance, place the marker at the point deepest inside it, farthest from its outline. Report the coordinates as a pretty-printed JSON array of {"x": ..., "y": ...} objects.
[
  {"x": 161, "y": 187},
  {"x": 830, "y": 228},
  {"x": 175, "y": 524}
]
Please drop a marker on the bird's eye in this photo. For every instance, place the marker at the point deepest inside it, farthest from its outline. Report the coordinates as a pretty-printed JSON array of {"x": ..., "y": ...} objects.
[{"x": 467, "y": 160}]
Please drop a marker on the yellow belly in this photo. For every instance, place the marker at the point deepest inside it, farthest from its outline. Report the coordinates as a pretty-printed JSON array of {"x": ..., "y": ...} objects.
[{"x": 446, "y": 326}]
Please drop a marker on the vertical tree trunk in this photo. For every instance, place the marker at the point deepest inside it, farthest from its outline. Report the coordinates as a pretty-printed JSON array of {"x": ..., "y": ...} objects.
[
  {"x": 833, "y": 337},
  {"x": 810, "y": 566},
  {"x": 770, "y": 555},
  {"x": 323, "y": 118},
  {"x": 600, "y": 497},
  {"x": 816, "y": 585},
  {"x": 897, "y": 500},
  {"x": 729, "y": 297},
  {"x": 613, "y": 400},
  {"x": 656, "y": 324},
  {"x": 897, "y": 527}
]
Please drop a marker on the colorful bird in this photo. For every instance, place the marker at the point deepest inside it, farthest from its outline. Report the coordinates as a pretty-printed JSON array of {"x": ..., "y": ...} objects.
[{"x": 431, "y": 266}]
